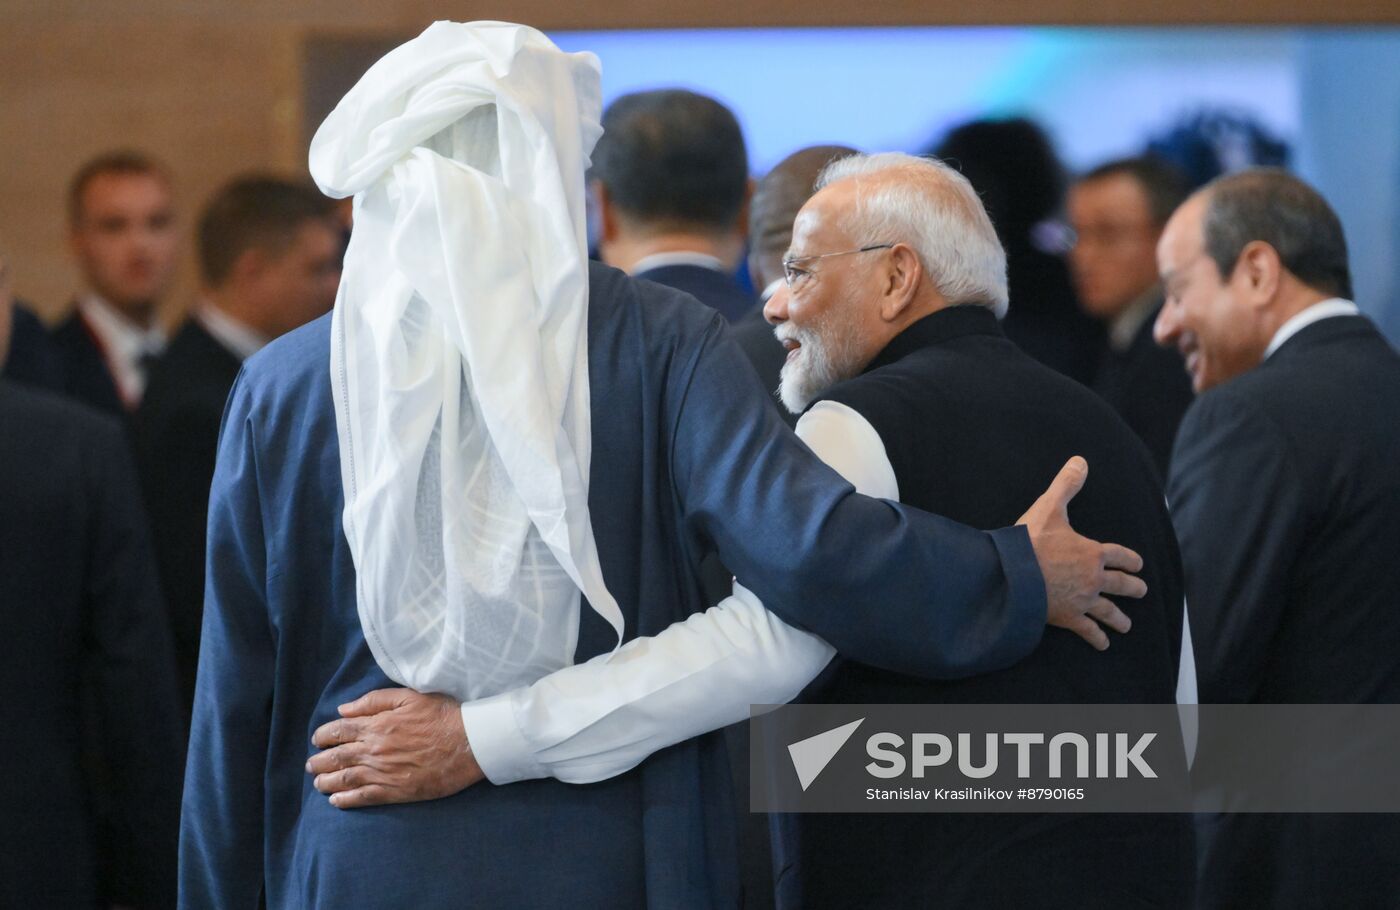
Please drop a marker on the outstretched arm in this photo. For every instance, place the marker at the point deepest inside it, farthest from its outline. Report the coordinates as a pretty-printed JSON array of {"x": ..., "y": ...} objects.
[
  {"x": 595, "y": 720},
  {"x": 885, "y": 584}
]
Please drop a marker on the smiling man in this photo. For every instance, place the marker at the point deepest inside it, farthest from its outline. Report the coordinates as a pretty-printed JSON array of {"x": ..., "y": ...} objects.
[
  {"x": 1283, "y": 490},
  {"x": 1117, "y": 211},
  {"x": 896, "y": 356}
]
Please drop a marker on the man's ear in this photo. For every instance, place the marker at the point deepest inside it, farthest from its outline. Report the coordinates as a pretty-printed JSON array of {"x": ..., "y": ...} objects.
[
  {"x": 741, "y": 226},
  {"x": 247, "y": 266},
  {"x": 903, "y": 275},
  {"x": 1260, "y": 272},
  {"x": 607, "y": 212}
]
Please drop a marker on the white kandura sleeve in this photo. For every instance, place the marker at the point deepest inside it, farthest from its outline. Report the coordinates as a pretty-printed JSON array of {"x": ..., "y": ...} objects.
[{"x": 594, "y": 720}]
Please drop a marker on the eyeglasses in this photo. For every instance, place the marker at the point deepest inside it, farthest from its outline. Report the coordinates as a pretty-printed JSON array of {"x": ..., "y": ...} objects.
[
  {"x": 795, "y": 274},
  {"x": 1111, "y": 235}
]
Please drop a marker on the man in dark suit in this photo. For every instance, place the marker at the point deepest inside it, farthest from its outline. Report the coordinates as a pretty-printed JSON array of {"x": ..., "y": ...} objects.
[
  {"x": 1117, "y": 211},
  {"x": 26, "y": 354},
  {"x": 671, "y": 186},
  {"x": 1284, "y": 490},
  {"x": 122, "y": 231},
  {"x": 269, "y": 259},
  {"x": 670, "y": 183},
  {"x": 81, "y": 629}
]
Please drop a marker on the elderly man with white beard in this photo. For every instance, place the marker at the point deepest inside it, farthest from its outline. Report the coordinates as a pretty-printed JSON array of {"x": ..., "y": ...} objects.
[{"x": 893, "y": 284}]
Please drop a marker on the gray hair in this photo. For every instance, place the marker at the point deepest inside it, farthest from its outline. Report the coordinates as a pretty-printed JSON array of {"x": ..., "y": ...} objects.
[
  {"x": 1272, "y": 205},
  {"x": 933, "y": 209}
]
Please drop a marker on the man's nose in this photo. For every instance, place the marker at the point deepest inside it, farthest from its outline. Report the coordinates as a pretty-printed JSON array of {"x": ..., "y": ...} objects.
[
  {"x": 1167, "y": 326},
  {"x": 776, "y": 309}
]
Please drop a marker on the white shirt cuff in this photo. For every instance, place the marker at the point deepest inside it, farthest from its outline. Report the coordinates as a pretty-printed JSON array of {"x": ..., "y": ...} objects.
[{"x": 497, "y": 742}]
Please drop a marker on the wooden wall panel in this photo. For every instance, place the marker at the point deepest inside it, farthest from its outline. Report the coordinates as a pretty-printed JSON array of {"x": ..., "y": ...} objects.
[
  {"x": 414, "y": 14},
  {"x": 209, "y": 100}
]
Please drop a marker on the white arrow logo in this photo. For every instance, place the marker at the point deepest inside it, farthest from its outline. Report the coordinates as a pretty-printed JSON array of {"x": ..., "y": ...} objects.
[{"x": 811, "y": 755}]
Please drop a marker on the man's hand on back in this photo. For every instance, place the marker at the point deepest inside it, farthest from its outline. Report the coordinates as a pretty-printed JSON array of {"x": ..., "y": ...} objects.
[
  {"x": 1078, "y": 571},
  {"x": 393, "y": 746}
]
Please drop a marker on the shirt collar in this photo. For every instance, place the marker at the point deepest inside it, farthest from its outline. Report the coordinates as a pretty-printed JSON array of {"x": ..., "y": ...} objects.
[
  {"x": 1326, "y": 309},
  {"x": 678, "y": 257},
  {"x": 241, "y": 339},
  {"x": 1123, "y": 328},
  {"x": 121, "y": 337}
]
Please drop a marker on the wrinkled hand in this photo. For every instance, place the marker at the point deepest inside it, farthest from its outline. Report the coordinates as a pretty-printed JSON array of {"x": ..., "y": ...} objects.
[
  {"x": 1078, "y": 571},
  {"x": 393, "y": 746}
]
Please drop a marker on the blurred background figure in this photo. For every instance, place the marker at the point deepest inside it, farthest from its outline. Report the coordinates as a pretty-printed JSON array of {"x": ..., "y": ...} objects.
[
  {"x": 671, "y": 187},
  {"x": 776, "y": 201},
  {"x": 122, "y": 232},
  {"x": 1117, "y": 212},
  {"x": 1284, "y": 489},
  {"x": 269, "y": 253},
  {"x": 1015, "y": 170},
  {"x": 90, "y": 773},
  {"x": 26, "y": 353},
  {"x": 1212, "y": 140}
]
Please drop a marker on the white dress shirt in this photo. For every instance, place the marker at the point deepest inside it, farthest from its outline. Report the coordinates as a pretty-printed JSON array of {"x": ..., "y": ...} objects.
[
  {"x": 240, "y": 339},
  {"x": 679, "y": 257},
  {"x": 1123, "y": 328},
  {"x": 594, "y": 720},
  {"x": 1325, "y": 309},
  {"x": 125, "y": 346},
  {"x": 597, "y": 719}
]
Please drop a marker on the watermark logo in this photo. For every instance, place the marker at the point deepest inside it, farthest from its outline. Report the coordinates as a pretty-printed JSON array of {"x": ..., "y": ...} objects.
[
  {"x": 1074, "y": 758},
  {"x": 811, "y": 755}
]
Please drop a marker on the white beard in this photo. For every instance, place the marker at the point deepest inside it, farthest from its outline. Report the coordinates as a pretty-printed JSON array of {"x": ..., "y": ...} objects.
[{"x": 829, "y": 353}]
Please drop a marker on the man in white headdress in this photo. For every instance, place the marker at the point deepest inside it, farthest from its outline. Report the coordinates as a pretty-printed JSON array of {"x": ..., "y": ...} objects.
[{"x": 404, "y": 495}]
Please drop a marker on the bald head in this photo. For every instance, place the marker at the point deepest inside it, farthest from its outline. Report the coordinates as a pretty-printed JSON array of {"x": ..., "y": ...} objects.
[{"x": 776, "y": 202}]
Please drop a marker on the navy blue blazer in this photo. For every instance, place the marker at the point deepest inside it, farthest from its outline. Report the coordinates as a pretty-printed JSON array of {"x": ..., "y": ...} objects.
[
  {"x": 85, "y": 373},
  {"x": 32, "y": 358},
  {"x": 715, "y": 289},
  {"x": 696, "y": 462}
]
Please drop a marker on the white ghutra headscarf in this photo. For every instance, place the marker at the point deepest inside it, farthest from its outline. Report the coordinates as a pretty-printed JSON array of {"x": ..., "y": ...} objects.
[{"x": 459, "y": 358}]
